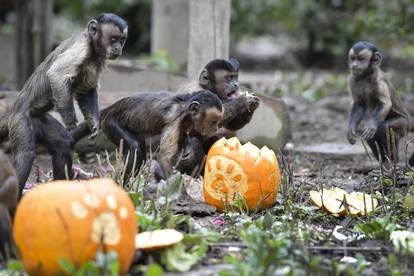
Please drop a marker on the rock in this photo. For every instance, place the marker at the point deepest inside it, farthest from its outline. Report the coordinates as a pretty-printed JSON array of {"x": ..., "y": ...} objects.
[
  {"x": 270, "y": 125},
  {"x": 335, "y": 149},
  {"x": 194, "y": 187}
]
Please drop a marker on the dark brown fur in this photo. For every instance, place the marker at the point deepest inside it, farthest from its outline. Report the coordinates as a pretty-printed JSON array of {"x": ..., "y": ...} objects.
[
  {"x": 170, "y": 116},
  {"x": 374, "y": 97},
  {"x": 73, "y": 69},
  {"x": 8, "y": 202},
  {"x": 221, "y": 77}
]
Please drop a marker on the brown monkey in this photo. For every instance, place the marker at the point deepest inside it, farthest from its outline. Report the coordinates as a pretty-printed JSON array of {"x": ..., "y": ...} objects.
[
  {"x": 73, "y": 69},
  {"x": 8, "y": 202},
  {"x": 374, "y": 97},
  {"x": 172, "y": 116},
  {"x": 220, "y": 76}
]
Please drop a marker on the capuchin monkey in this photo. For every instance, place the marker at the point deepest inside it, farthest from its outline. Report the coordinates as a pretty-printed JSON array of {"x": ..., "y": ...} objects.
[
  {"x": 221, "y": 77},
  {"x": 9, "y": 188},
  {"x": 171, "y": 116},
  {"x": 72, "y": 70},
  {"x": 375, "y": 98}
]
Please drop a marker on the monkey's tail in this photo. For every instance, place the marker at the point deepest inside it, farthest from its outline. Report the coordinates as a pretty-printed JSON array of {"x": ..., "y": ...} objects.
[
  {"x": 80, "y": 131},
  {"x": 6, "y": 235}
]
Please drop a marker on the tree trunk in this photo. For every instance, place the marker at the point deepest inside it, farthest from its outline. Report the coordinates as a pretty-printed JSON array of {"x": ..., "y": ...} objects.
[{"x": 33, "y": 36}]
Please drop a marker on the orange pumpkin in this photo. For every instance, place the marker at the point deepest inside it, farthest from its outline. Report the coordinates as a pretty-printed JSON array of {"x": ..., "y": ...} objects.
[
  {"x": 73, "y": 220},
  {"x": 233, "y": 170}
]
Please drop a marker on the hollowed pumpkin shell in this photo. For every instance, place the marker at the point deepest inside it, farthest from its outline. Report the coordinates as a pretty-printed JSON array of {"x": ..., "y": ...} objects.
[{"x": 234, "y": 171}]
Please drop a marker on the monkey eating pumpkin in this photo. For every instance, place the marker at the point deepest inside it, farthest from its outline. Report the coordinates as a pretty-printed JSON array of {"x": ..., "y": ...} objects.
[
  {"x": 234, "y": 171},
  {"x": 73, "y": 220}
]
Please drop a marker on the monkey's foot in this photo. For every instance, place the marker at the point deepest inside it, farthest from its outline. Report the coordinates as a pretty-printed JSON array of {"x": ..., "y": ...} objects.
[{"x": 79, "y": 173}]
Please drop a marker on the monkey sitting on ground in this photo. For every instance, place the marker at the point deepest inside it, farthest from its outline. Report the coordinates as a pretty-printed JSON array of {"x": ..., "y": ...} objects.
[
  {"x": 374, "y": 96},
  {"x": 8, "y": 202},
  {"x": 220, "y": 76},
  {"x": 172, "y": 116},
  {"x": 73, "y": 69}
]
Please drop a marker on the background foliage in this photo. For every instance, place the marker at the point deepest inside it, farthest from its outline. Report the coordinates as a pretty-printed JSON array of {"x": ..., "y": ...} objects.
[{"x": 325, "y": 28}]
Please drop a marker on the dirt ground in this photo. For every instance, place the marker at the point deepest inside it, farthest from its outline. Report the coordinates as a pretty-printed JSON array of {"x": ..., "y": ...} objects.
[{"x": 313, "y": 123}]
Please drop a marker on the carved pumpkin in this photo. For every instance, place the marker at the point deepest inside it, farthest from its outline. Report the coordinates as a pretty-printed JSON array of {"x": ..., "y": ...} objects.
[
  {"x": 233, "y": 170},
  {"x": 73, "y": 220}
]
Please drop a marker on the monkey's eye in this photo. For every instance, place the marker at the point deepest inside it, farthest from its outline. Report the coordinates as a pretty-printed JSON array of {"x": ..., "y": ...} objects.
[{"x": 114, "y": 39}]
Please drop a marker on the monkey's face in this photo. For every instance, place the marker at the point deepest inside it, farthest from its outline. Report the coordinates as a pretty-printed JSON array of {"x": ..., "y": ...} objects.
[
  {"x": 112, "y": 40},
  {"x": 226, "y": 84},
  {"x": 360, "y": 61},
  {"x": 207, "y": 123}
]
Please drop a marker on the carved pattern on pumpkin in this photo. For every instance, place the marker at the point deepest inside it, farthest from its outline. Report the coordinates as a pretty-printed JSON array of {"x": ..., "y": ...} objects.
[
  {"x": 111, "y": 201},
  {"x": 105, "y": 228},
  {"x": 79, "y": 210},
  {"x": 91, "y": 200},
  {"x": 225, "y": 177}
]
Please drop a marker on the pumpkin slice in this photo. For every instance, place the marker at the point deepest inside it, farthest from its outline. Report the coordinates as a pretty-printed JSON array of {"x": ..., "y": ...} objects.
[
  {"x": 158, "y": 239},
  {"x": 366, "y": 202},
  {"x": 332, "y": 200},
  {"x": 329, "y": 200}
]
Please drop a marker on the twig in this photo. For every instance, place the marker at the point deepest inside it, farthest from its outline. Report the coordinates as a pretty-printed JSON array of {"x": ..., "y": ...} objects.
[{"x": 347, "y": 248}]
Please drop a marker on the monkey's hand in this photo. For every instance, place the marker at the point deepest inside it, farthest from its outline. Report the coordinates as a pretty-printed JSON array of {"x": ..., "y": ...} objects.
[
  {"x": 94, "y": 128},
  {"x": 252, "y": 101},
  {"x": 370, "y": 129},
  {"x": 351, "y": 136},
  {"x": 70, "y": 123}
]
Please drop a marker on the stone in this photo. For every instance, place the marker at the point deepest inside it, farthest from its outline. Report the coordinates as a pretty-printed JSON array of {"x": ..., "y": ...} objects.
[
  {"x": 336, "y": 149},
  {"x": 270, "y": 125}
]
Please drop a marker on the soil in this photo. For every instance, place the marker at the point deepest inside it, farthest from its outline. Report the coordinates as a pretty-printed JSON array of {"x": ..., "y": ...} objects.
[{"x": 334, "y": 164}]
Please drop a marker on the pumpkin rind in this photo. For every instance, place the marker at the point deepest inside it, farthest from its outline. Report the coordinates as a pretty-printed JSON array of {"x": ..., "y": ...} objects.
[
  {"x": 332, "y": 200},
  {"x": 157, "y": 239},
  {"x": 233, "y": 170},
  {"x": 73, "y": 220}
]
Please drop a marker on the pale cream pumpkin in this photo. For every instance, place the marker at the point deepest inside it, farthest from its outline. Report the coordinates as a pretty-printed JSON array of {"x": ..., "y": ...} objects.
[
  {"x": 73, "y": 220},
  {"x": 235, "y": 171}
]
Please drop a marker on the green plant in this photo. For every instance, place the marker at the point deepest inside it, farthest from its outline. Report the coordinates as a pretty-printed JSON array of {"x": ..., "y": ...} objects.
[
  {"x": 104, "y": 264},
  {"x": 162, "y": 60},
  {"x": 378, "y": 229}
]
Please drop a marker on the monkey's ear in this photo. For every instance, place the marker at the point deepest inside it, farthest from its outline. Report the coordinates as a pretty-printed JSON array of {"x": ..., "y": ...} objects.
[
  {"x": 234, "y": 63},
  {"x": 194, "y": 107},
  {"x": 377, "y": 59},
  {"x": 203, "y": 80},
  {"x": 93, "y": 27}
]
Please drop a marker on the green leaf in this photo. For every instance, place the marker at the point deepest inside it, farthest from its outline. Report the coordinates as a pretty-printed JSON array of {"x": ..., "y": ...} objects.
[
  {"x": 403, "y": 240},
  {"x": 154, "y": 270},
  {"x": 15, "y": 265},
  {"x": 177, "y": 259},
  {"x": 67, "y": 266}
]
